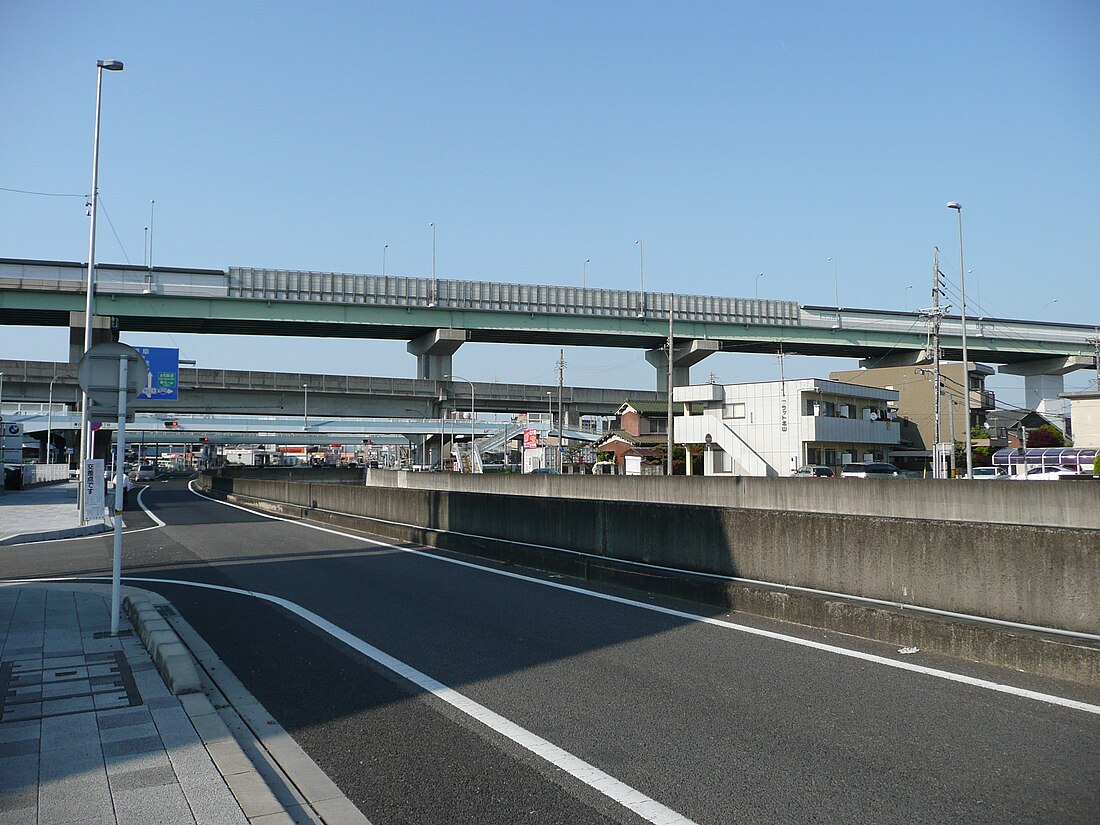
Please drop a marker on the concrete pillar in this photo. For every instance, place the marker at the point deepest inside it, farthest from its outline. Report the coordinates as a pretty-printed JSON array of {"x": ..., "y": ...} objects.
[
  {"x": 685, "y": 356},
  {"x": 104, "y": 328},
  {"x": 1044, "y": 381},
  {"x": 433, "y": 351},
  {"x": 687, "y": 460}
]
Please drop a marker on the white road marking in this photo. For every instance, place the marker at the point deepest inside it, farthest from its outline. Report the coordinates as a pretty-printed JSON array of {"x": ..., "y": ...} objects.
[
  {"x": 984, "y": 684},
  {"x": 634, "y": 800},
  {"x": 148, "y": 512}
]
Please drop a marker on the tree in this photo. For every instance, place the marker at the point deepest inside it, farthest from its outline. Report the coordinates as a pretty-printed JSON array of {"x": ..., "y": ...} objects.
[{"x": 1046, "y": 436}]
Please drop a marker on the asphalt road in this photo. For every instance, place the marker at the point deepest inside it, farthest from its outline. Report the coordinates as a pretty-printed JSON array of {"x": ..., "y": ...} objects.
[{"x": 719, "y": 725}]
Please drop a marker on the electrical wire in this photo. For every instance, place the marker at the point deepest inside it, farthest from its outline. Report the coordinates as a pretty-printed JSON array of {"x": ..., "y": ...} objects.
[
  {"x": 112, "y": 225},
  {"x": 43, "y": 194}
]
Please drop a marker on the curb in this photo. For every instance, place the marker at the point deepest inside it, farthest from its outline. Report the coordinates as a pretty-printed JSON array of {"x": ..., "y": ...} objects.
[
  {"x": 51, "y": 535},
  {"x": 271, "y": 777}
]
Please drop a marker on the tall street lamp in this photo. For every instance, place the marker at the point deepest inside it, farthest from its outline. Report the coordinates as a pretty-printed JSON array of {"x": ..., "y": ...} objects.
[
  {"x": 49, "y": 421},
  {"x": 966, "y": 360},
  {"x": 305, "y": 408},
  {"x": 85, "y": 439},
  {"x": 384, "y": 248},
  {"x": 472, "y": 414},
  {"x": 431, "y": 298},
  {"x": 758, "y": 277},
  {"x": 550, "y": 412},
  {"x": 584, "y": 273},
  {"x": 836, "y": 281},
  {"x": 641, "y": 275}
]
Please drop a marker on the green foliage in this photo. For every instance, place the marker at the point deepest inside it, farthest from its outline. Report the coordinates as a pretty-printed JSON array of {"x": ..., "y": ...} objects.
[
  {"x": 1046, "y": 436},
  {"x": 1096, "y": 465},
  {"x": 978, "y": 431}
]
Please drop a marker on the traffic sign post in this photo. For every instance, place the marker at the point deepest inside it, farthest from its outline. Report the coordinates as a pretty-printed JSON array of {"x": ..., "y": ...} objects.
[{"x": 111, "y": 375}]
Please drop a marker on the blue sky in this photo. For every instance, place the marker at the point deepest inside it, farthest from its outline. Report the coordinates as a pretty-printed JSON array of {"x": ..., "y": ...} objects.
[{"x": 733, "y": 138}]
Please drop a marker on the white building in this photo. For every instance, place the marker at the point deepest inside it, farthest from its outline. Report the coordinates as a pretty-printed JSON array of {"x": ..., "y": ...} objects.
[{"x": 772, "y": 428}]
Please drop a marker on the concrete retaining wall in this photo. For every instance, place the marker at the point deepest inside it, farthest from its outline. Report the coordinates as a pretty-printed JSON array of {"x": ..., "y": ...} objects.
[
  {"x": 1074, "y": 503},
  {"x": 44, "y": 474},
  {"x": 1035, "y": 575}
]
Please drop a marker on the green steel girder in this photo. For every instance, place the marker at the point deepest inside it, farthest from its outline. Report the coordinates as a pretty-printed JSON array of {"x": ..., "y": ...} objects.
[{"x": 235, "y": 316}]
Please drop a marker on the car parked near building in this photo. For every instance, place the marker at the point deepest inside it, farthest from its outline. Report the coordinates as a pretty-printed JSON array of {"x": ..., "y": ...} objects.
[
  {"x": 987, "y": 473},
  {"x": 814, "y": 471},
  {"x": 874, "y": 469},
  {"x": 1045, "y": 474}
]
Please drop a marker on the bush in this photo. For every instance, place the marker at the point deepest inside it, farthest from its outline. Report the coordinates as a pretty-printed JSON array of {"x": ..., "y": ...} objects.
[{"x": 1096, "y": 465}]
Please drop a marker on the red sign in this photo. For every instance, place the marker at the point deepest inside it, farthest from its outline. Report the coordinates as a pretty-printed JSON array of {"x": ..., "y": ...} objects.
[{"x": 530, "y": 439}]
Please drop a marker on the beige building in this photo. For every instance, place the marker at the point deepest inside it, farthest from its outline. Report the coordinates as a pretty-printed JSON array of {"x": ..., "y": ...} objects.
[
  {"x": 916, "y": 399},
  {"x": 1085, "y": 415}
]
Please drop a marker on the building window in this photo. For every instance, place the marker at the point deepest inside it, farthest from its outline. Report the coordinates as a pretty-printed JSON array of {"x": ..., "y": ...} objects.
[{"x": 735, "y": 410}]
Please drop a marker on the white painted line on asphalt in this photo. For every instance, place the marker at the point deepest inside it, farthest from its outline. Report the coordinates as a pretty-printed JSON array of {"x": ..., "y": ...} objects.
[
  {"x": 148, "y": 512},
  {"x": 680, "y": 614},
  {"x": 634, "y": 800}
]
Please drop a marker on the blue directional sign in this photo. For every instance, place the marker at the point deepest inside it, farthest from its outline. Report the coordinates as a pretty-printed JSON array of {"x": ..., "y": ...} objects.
[{"x": 164, "y": 373}]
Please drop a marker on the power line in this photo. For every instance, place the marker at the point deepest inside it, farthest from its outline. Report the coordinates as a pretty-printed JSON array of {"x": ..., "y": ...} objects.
[{"x": 43, "y": 194}]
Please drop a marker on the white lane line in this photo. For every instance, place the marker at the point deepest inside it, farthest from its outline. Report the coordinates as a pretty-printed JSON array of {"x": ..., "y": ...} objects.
[
  {"x": 148, "y": 512},
  {"x": 984, "y": 684},
  {"x": 634, "y": 800}
]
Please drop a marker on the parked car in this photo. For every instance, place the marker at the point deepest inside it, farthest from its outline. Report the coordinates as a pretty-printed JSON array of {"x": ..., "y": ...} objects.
[
  {"x": 1046, "y": 474},
  {"x": 814, "y": 471},
  {"x": 146, "y": 472},
  {"x": 875, "y": 469},
  {"x": 986, "y": 473}
]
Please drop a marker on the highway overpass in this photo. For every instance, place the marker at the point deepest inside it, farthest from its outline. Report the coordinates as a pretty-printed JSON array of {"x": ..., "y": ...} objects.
[{"x": 438, "y": 316}]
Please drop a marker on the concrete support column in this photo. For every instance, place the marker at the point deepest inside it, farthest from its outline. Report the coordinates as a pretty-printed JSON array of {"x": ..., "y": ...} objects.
[
  {"x": 1044, "y": 381},
  {"x": 104, "y": 328},
  {"x": 433, "y": 351},
  {"x": 685, "y": 356},
  {"x": 687, "y": 460}
]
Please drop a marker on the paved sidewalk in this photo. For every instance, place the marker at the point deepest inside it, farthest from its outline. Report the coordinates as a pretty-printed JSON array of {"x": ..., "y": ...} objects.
[
  {"x": 88, "y": 730},
  {"x": 46, "y": 512}
]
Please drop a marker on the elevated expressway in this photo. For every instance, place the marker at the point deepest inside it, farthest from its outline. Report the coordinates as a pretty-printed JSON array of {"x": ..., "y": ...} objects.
[{"x": 436, "y": 317}]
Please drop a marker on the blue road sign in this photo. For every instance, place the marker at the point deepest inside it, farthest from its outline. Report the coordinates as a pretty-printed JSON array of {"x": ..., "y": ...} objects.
[{"x": 164, "y": 373}]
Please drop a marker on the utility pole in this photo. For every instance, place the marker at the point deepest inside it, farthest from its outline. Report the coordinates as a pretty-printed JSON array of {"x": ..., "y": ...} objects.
[
  {"x": 1095, "y": 341},
  {"x": 671, "y": 356},
  {"x": 935, "y": 315},
  {"x": 561, "y": 421}
]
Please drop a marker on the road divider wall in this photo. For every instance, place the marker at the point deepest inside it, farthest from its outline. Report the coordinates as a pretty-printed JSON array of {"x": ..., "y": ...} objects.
[{"x": 1043, "y": 576}]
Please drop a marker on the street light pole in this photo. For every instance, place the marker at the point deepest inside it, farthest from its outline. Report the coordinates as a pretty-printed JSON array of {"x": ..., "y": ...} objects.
[
  {"x": 584, "y": 273},
  {"x": 966, "y": 362},
  {"x": 758, "y": 277},
  {"x": 49, "y": 422},
  {"x": 305, "y": 408},
  {"x": 472, "y": 414},
  {"x": 384, "y": 248},
  {"x": 550, "y": 412},
  {"x": 641, "y": 275},
  {"x": 85, "y": 440},
  {"x": 431, "y": 298}
]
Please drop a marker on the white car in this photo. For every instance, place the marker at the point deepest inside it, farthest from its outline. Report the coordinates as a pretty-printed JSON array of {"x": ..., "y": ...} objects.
[
  {"x": 987, "y": 473},
  {"x": 1045, "y": 474},
  {"x": 146, "y": 472}
]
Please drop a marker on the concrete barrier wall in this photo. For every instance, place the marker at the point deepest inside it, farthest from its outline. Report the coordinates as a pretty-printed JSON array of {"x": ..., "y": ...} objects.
[
  {"x": 1035, "y": 575},
  {"x": 1074, "y": 503}
]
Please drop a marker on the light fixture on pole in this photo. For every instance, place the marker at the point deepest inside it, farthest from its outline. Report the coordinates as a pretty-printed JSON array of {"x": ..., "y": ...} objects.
[
  {"x": 384, "y": 248},
  {"x": 966, "y": 360},
  {"x": 584, "y": 273},
  {"x": 758, "y": 277},
  {"x": 49, "y": 421},
  {"x": 1048, "y": 303},
  {"x": 305, "y": 408},
  {"x": 641, "y": 276},
  {"x": 86, "y": 449},
  {"x": 905, "y": 300}
]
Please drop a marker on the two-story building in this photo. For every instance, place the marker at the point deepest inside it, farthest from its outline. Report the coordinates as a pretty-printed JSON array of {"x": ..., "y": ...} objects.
[
  {"x": 639, "y": 427},
  {"x": 772, "y": 428}
]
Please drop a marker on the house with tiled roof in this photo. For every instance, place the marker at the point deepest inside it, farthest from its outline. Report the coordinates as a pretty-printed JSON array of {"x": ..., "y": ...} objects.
[{"x": 639, "y": 427}]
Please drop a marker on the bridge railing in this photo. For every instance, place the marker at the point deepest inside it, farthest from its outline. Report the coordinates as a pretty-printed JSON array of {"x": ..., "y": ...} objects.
[{"x": 400, "y": 290}]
